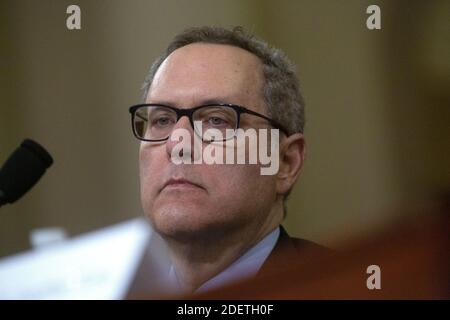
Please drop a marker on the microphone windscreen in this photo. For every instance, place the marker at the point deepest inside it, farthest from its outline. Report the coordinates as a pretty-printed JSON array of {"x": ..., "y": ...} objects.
[{"x": 22, "y": 170}]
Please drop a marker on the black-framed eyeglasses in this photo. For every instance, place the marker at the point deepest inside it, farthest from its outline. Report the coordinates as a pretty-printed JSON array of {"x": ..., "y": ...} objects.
[{"x": 155, "y": 122}]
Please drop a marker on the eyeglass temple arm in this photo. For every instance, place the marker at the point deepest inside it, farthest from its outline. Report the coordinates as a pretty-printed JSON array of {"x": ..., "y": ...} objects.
[
  {"x": 139, "y": 116},
  {"x": 271, "y": 121}
]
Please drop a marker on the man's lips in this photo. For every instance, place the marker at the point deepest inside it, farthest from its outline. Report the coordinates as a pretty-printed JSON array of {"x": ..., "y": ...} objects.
[{"x": 180, "y": 183}]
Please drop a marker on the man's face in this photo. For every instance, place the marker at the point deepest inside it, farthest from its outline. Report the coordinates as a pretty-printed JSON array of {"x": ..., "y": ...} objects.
[{"x": 219, "y": 197}]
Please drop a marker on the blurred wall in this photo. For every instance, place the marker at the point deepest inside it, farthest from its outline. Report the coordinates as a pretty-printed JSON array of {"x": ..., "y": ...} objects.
[{"x": 377, "y": 128}]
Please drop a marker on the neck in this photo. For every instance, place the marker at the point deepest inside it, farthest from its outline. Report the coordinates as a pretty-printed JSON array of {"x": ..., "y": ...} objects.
[{"x": 203, "y": 257}]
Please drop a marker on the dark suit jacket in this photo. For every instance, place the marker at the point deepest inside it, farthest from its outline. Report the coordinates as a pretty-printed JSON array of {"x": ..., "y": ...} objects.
[{"x": 289, "y": 251}]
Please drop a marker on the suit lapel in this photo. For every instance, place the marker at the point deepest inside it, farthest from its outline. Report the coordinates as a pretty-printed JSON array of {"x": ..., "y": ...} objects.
[{"x": 277, "y": 259}]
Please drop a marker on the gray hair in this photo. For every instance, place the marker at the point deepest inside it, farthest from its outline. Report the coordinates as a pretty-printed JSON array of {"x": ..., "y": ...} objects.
[{"x": 281, "y": 90}]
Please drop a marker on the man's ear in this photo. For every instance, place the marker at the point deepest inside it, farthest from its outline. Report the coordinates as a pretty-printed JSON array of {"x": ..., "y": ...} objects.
[{"x": 292, "y": 158}]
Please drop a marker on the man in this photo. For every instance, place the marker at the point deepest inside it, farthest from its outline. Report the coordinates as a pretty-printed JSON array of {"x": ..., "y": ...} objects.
[{"x": 220, "y": 222}]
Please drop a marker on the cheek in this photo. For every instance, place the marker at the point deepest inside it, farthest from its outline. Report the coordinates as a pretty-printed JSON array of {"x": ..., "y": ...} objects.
[
  {"x": 243, "y": 185},
  {"x": 150, "y": 173}
]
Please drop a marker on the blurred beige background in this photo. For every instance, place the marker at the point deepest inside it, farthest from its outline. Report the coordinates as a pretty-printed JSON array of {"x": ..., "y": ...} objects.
[{"x": 377, "y": 106}]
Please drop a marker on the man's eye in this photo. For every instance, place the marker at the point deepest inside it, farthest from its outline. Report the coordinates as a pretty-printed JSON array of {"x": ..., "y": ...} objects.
[
  {"x": 161, "y": 121},
  {"x": 216, "y": 121}
]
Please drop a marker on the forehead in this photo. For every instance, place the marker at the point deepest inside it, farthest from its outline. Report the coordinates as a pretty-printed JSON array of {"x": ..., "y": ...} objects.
[{"x": 203, "y": 72}]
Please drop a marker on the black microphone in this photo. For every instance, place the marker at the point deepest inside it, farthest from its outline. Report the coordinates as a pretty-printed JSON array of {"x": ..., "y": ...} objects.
[{"x": 24, "y": 167}]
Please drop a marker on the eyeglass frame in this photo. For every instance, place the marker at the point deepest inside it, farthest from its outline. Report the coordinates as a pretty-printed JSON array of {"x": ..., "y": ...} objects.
[{"x": 189, "y": 113}]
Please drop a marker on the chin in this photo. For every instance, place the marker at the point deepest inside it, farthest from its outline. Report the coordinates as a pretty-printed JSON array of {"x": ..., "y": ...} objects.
[
  {"x": 186, "y": 224},
  {"x": 176, "y": 217}
]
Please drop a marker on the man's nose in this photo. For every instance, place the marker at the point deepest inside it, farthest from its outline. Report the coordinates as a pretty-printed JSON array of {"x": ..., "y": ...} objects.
[{"x": 182, "y": 138}]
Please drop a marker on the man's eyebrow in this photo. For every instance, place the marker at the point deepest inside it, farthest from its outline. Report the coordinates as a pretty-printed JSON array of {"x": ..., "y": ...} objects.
[
  {"x": 215, "y": 100},
  {"x": 218, "y": 100}
]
